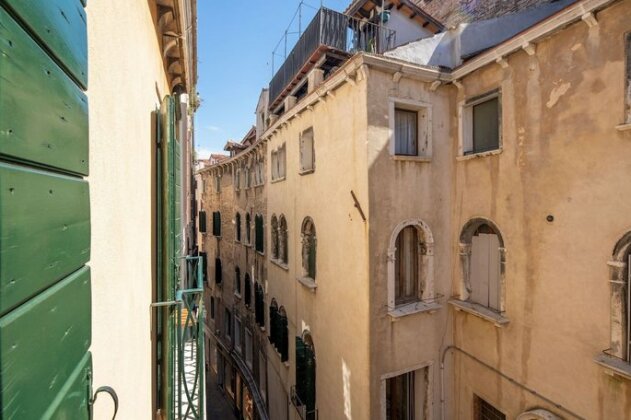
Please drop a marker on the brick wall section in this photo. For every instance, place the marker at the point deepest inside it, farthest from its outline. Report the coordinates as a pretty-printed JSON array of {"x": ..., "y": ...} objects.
[{"x": 453, "y": 12}]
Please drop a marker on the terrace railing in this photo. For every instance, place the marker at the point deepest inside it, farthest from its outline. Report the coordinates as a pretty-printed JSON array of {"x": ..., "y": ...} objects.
[{"x": 335, "y": 31}]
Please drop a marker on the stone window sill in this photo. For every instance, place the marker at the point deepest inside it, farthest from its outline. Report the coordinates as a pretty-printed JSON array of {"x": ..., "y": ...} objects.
[
  {"x": 478, "y": 155},
  {"x": 413, "y": 308},
  {"x": 624, "y": 127},
  {"x": 403, "y": 158},
  {"x": 306, "y": 171},
  {"x": 308, "y": 282},
  {"x": 237, "y": 295},
  {"x": 614, "y": 365},
  {"x": 274, "y": 181},
  {"x": 280, "y": 264},
  {"x": 480, "y": 311}
]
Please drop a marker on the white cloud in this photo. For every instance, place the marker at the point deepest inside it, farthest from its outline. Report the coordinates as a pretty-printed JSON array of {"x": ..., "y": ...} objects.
[{"x": 213, "y": 128}]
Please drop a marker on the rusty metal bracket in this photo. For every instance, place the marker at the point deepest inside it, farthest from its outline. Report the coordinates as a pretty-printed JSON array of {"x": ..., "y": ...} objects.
[{"x": 358, "y": 206}]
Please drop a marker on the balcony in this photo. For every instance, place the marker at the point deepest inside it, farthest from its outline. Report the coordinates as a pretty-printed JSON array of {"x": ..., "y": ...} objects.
[{"x": 330, "y": 38}]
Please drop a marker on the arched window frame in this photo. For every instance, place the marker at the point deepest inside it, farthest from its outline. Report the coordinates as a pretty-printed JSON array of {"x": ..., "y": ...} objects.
[
  {"x": 282, "y": 240},
  {"x": 259, "y": 305},
  {"x": 619, "y": 278},
  {"x": 463, "y": 302},
  {"x": 309, "y": 252},
  {"x": 259, "y": 233},
  {"x": 275, "y": 238},
  {"x": 425, "y": 301}
]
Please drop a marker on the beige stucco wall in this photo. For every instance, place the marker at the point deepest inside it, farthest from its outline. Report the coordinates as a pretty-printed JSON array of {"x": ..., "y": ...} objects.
[
  {"x": 127, "y": 80},
  {"x": 402, "y": 190},
  {"x": 562, "y": 156},
  {"x": 337, "y": 312}
]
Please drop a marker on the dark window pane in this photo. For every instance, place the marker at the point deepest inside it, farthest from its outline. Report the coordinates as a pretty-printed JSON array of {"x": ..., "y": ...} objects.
[{"x": 486, "y": 134}]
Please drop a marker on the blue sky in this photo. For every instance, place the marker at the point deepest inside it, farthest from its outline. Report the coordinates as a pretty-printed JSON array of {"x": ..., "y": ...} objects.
[{"x": 235, "y": 44}]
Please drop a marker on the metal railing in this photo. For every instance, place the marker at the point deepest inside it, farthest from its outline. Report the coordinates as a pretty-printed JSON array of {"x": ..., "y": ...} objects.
[
  {"x": 300, "y": 407},
  {"x": 336, "y": 31},
  {"x": 189, "y": 346}
]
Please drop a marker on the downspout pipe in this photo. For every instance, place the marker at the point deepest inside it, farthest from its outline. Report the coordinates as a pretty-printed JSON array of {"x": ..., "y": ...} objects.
[{"x": 503, "y": 375}]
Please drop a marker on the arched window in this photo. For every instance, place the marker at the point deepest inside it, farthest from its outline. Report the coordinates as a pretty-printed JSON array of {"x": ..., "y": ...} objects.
[
  {"x": 237, "y": 281},
  {"x": 410, "y": 264},
  {"x": 248, "y": 229},
  {"x": 275, "y": 242},
  {"x": 309, "y": 246},
  {"x": 259, "y": 305},
  {"x": 619, "y": 269},
  {"x": 306, "y": 374},
  {"x": 247, "y": 290},
  {"x": 237, "y": 222},
  {"x": 259, "y": 233},
  {"x": 482, "y": 259},
  {"x": 282, "y": 240}
]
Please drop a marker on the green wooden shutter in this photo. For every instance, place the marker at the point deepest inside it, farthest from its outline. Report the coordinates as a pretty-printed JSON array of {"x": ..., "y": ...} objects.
[
  {"x": 284, "y": 339},
  {"x": 218, "y": 271},
  {"x": 305, "y": 374},
  {"x": 45, "y": 284},
  {"x": 202, "y": 221},
  {"x": 273, "y": 325}
]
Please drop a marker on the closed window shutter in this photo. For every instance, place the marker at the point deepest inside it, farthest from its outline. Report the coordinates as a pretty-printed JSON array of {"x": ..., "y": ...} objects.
[
  {"x": 305, "y": 374},
  {"x": 204, "y": 263},
  {"x": 216, "y": 223},
  {"x": 248, "y": 290},
  {"x": 202, "y": 221},
  {"x": 218, "y": 271},
  {"x": 273, "y": 314},
  {"x": 284, "y": 339}
]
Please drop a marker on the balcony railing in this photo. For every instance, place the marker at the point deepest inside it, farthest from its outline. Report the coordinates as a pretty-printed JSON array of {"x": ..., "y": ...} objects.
[
  {"x": 335, "y": 31},
  {"x": 302, "y": 408}
]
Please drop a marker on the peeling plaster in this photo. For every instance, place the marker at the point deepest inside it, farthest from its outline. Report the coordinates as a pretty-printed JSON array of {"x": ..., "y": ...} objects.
[{"x": 556, "y": 94}]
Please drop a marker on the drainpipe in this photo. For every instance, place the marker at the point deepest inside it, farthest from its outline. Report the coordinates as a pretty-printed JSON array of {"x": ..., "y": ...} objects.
[{"x": 508, "y": 378}]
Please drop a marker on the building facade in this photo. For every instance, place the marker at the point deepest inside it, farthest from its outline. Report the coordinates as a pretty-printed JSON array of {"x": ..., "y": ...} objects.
[{"x": 438, "y": 238}]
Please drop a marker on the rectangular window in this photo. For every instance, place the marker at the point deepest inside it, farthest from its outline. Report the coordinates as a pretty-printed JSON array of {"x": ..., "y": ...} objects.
[
  {"x": 627, "y": 113},
  {"x": 400, "y": 397},
  {"x": 405, "y": 132},
  {"x": 263, "y": 376},
  {"x": 406, "y": 267},
  {"x": 481, "y": 124},
  {"x": 202, "y": 221},
  {"x": 482, "y": 410},
  {"x": 227, "y": 324},
  {"x": 218, "y": 184},
  {"x": 248, "y": 348},
  {"x": 212, "y": 307},
  {"x": 237, "y": 334},
  {"x": 407, "y": 395},
  {"x": 216, "y": 223},
  {"x": 485, "y": 270},
  {"x": 237, "y": 180},
  {"x": 307, "y": 153}
]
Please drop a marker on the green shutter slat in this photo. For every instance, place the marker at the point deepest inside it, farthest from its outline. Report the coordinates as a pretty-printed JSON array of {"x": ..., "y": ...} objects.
[
  {"x": 45, "y": 231},
  {"x": 61, "y": 26},
  {"x": 72, "y": 401},
  {"x": 44, "y": 115},
  {"x": 202, "y": 221},
  {"x": 41, "y": 344}
]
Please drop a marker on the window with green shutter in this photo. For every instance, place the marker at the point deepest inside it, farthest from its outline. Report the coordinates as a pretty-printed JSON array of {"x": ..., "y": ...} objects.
[
  {"x": 216, "y": 223},
  {"x": 259, "y": 305},
  {"x": 202, "y": 221},
  {"x": 218, "y": 271},
  {"x": 283, "y": 335},
  {"x": 306, "y": 374},
  {"x": 259, "y": 234},
  {"x": 273, "y": 322}
]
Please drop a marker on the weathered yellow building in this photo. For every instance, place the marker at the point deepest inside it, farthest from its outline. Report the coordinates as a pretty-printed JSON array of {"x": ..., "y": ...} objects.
[{"x": 445, "y": 222}]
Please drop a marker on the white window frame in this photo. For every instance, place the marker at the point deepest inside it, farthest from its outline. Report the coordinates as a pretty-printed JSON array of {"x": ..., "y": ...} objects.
[
  {"x": 429, "y": 365},
  {"x": 305, "y": 170},
  {"x": 465, "y": 125},
  {"x": 424, "y": 127}
]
